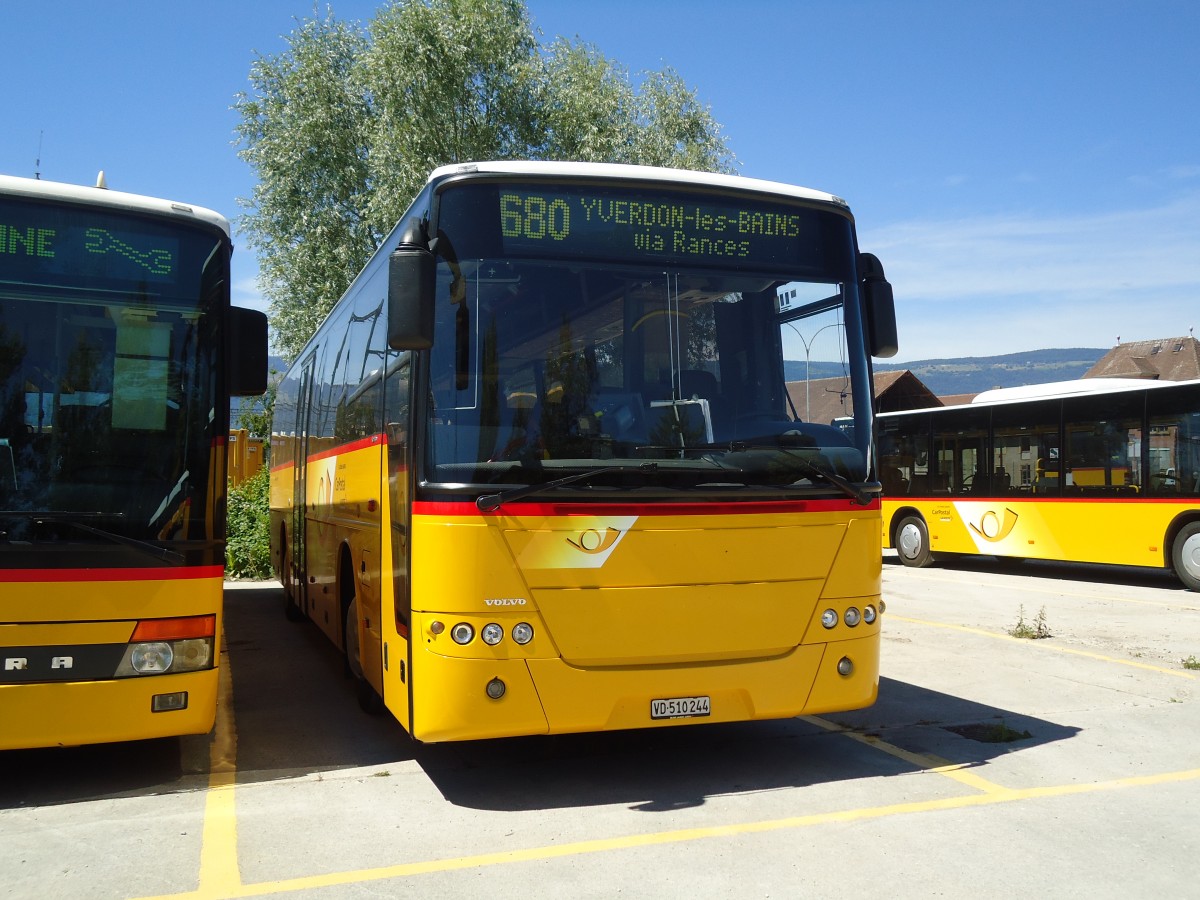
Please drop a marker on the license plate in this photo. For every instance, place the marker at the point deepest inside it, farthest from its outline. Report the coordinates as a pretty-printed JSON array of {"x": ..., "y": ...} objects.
[{"x": 680, "y": 708}]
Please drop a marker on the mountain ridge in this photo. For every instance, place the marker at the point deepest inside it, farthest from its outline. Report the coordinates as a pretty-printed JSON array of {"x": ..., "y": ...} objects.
[{"x": 971, "y": 374}]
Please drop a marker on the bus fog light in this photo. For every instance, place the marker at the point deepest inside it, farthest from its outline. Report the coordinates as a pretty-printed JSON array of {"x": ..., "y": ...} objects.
[
  {"x": 853, "y": 616},
  {"x": 462, "y": 633},
  {"x": 869, "y": 615},
  {"x": 496, "y": 688},
  {"x": 829, "y": 618},
  {"x": 845, "y": 666},
  {"x": 169, "y": 702},
  {"x": 151, "y": 658},
  {"x": 492, "y": 634},
  {"x": 522, "y": 633},
  {"x": 192, "y": 654}
]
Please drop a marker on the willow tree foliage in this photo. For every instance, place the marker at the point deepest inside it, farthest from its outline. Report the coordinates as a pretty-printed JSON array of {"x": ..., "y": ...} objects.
[{"x": 344, "y": 125}]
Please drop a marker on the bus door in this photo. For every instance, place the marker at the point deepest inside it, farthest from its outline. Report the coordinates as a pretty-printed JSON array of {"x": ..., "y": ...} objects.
[{"x": 300, "y": 487}]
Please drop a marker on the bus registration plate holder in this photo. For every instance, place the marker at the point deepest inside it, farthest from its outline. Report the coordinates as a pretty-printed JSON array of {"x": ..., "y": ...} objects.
[{"x": 680, "y": 708}]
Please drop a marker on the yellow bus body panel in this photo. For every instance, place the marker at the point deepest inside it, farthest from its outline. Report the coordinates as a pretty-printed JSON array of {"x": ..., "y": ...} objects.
[
  {"x": 44, "y": 613},
  {"x": 630, "y": 608},
  {"x": 1130, "y": 532},
  {"x": 66, "y": 714}
]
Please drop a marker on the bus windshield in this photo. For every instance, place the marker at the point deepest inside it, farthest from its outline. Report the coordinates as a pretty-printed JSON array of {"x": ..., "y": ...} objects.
[
  {"x": 107, "y": 384},
  {"x": 560, "y": 354}
]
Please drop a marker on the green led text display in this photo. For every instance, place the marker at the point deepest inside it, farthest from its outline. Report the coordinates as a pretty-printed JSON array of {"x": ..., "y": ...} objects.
[{"x": 676, "y": 226}]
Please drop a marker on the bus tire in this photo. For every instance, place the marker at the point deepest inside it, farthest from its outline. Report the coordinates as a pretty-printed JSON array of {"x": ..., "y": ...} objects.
[
  {"x": 1185, "y": 555},
  {"x": 368, "y": 700},
  {"x": 912, "y": 542},
  {"x": 291, "y": 609}
]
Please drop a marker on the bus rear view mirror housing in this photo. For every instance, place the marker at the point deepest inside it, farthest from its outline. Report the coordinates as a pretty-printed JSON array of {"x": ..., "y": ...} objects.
[
  {"x": 411, "y": 272},
  {"x": 880, "y": 307},
  {"x": 247, "y": 352}
]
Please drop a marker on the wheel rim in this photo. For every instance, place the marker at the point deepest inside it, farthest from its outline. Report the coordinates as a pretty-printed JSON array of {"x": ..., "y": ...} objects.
[
  {"x": 910, "y": 541},
  {"x": 1189, "y": 556}
]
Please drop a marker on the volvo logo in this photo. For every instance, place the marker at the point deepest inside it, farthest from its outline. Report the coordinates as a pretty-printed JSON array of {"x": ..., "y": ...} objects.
[{"x": 504, "y": 601}]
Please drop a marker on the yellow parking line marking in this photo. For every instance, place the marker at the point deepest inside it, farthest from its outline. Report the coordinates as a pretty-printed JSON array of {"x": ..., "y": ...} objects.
[
  {"x": 1042, "y": 644},
  {"x": 925, "y": 761},
  {"x": 635, "y": 841},
  {"x": 1055, "y": 592},
  {"x": 219, "y": 872}
]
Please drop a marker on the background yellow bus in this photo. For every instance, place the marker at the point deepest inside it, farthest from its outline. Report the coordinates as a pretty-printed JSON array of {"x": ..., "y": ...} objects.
[
  {"x": 1097, "y": 470},
  {"x": 538, "y": 472},
  {"x": 115, "y": 375}
]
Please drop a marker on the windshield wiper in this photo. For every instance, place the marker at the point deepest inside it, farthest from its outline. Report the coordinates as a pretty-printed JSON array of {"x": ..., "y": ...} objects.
[
  {"x": 863, "y": 498},
  {"x": 489, "y": 502},
  {"x": 72, "y": 519}
]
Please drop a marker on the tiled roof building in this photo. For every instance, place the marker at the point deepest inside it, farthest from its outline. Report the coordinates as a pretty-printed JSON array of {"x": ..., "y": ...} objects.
[
  {"x": 826, "y": 399},
  {"x": 1165, "y": 359}
]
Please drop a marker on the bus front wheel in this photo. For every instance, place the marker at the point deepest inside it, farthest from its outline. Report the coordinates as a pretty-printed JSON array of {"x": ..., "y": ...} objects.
[
  {"x": 1185, "y": 555},
  {"x": 368, "y": 700},
  {"x": 912, "y": 542}
]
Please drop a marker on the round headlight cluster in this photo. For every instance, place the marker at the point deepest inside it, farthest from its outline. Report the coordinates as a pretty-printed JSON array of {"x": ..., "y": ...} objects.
[
  {"x": 491, "y": 633},
  {"x": 852, "y": 616}
]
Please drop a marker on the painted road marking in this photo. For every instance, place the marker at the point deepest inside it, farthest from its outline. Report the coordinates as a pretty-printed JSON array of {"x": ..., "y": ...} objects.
[
  {"x": 634, "y": 841},
  {"x": 1054, "y": 592},
  {"x": 220, "y": 874},
  {"x": 1177, "y": 673}
]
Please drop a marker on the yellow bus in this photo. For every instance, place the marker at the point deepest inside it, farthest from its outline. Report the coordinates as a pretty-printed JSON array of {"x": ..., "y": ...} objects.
[
  {"x": 1098, "y": 471},
  {"x": 538, "y": 471},
  {"x": 118, "y": 352}
]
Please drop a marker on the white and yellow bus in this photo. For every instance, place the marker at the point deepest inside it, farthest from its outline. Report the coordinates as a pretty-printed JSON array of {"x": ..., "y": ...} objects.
[
  {"x": 118, "y": 353},
  {"x": 538, "y": 471},
  {"x": 1097, "y": 470}
]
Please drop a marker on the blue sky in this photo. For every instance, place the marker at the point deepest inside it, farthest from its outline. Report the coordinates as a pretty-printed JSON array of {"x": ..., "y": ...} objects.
[{"x": 1029, "y": 172}]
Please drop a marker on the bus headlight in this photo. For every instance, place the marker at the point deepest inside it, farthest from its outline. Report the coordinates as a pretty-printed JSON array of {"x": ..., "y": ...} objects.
[
  {"x": 462, "y": 633},
  {"x": 151, "y": 658},
  {"x": 522, "y": 633},
  {"x": 853, "y": 616},
  {"x": 192, "y": 655},
  {"x": 869, "y": 615},
  {"x": 492, "y": 634},
  {"x": 829, "y": 618}
]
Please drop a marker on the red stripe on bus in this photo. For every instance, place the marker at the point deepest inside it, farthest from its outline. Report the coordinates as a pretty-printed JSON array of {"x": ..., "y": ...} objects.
[
  {"x": 375, "y": 440},
  {"x": 1123, "y": 499},
  {"x": 749, "y": 508},
  {"x": 80, "y": 575}
]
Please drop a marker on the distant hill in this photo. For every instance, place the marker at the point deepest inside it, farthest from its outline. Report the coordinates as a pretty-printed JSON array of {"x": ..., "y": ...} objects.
[{"x": 972, "y": 374}]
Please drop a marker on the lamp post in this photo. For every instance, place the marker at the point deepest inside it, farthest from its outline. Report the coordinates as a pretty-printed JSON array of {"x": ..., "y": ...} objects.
[{"x": 807, "y": 355}]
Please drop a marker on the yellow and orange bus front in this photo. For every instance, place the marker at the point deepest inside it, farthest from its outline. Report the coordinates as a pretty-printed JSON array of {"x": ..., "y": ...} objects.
[{"x": 100, "y": 655}]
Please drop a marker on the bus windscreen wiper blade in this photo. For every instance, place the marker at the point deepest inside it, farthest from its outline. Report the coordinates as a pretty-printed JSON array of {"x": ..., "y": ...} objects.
[
  {"x": 863, "y": 498},
  {"x": 489, "y": 502},
  {"x": 161, "y": 553}
]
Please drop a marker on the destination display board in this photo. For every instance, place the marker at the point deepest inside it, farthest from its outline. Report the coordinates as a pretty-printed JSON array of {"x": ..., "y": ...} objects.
[
  {"x": 52, "y": 243},
  {"x": 608, "y": 221}
]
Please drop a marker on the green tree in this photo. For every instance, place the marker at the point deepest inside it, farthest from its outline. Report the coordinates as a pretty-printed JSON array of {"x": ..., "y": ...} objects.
[
  {"x": 304, "y": 132},
  {"x": 343, "y": 127}
]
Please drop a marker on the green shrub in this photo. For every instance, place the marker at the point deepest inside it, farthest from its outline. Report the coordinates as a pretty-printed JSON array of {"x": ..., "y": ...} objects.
[{"x": 248, "y": 532}]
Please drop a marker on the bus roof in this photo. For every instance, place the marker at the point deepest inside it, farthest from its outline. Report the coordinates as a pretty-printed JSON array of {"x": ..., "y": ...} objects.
[
  {"x": 1054, "y": 390},
  {"x": 639, "y": 173},
  {"x": 11, "y": 185},
  {"x": 1065, "y": 389}
]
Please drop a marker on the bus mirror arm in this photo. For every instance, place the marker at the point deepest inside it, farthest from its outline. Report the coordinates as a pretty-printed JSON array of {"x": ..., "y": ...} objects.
[
  {"x": 880, "y": 307},
  {"x": 411, "y": 274}
]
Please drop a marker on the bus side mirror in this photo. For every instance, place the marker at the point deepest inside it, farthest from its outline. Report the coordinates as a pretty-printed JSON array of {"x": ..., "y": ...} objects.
[
  {"x": 411, "y": 273},
  {"x": 880, "y": 308},
  {"x": 246, "y": 352}
]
